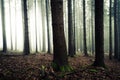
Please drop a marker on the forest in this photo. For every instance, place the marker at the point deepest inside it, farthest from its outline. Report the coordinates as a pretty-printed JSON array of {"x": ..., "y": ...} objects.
[{"x": 59, "y": 40}]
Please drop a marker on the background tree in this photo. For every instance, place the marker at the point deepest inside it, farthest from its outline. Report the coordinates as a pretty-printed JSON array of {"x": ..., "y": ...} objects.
[
  {"x": 99, "y": 34},
  {"x": 43, "y": 7},
  {"x": 26, "y": 30},
  {"x": 3, "y": 27},
  {"x": 60, "y": 52},
  {"x": 71, "y": 36},
  {"x": 10, "y": 25},
  {"x": 48, "y": 29},
  {"x": 36, "y": 27},
  {"x": 84, "y": 29},
  {"x": 92, "y": 24},
  {"x": 118, "y": 3},
  {"x": 115, "y": 31},
  {"x": 110, "y": 30}
]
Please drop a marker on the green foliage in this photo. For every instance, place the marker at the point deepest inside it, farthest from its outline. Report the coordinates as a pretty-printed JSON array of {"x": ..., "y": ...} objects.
[
  {"x": 65, "y": 68},
  {"x": 54, "y": 66},
  {"x": 93, "y": 70},
  {"x": 42, "y": 70}
]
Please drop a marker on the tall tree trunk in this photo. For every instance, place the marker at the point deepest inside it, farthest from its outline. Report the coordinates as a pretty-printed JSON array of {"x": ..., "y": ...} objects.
[
  {"x": 15, "y": 26},
  {"x": 99, "y": 34},
  {"x": 60, "y": 51},
  {"x": 92, "y": 25},
  {"x": 3, "y": 27},
  {"x": 71, "y": 44},
  {"x": 36, "y": 27},
  {"x": 84, "y": 29},
  {"x": 110, "y": 31},
  {"x": 118, "y": 29},
  {"x": 115, "y": 31},
  {"x": 74, "y": 28},
  {"x": 26, "y": 30},
  {"x": 10, "y": 25},
  {"x": 48, "y": 31},
  {"x": 43, "y": 24}
]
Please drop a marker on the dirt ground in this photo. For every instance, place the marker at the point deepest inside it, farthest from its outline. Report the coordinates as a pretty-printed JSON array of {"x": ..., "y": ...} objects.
[{"x": 38, "y": 67}]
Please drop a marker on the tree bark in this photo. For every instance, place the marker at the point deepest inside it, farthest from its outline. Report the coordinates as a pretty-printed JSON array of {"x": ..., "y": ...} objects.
[
  {"x": 115, "y": 31},
  {"x": 60, "y": 51},
  {"x": 71, "y": 36},
  {"x": 84, "y": 29},
  {"x": 92, "y": 25},
  {"x": 110, "y": 31},
  {"x": 48, "y": 31},
  {"x": 99, "y": 34},
  {"x": 3, "y": 27},
  {"x": 118, "y": 29},
  {"x": 26, "y": 29}
]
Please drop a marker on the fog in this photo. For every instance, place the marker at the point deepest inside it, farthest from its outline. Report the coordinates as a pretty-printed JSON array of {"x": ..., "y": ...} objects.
[{"x": 14, "y": 24}]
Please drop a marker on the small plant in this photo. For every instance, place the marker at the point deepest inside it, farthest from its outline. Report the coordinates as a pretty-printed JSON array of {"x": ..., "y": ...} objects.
[
  {"x": 65, "y": 68},
  {"x": 93, "y": 70},
  {"x": 42, "y": 70}
]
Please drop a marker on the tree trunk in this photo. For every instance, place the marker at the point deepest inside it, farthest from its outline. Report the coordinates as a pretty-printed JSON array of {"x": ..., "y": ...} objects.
[
  {"x": 36, "y": 28},
  {"x": 71, "y": 44},
  {"x": 110, "y": 31},
  {"x": 92, "y": 25},
  {"x": 99, "y": 34},
  {"x": 10, "y": 26},
  {"x": 84, "y": 29},
  {"x": 60, "y": 51},
  {"x": 115, "y": 31},
  {"x": 43, "y": 24},
  {"x": 26, "y": 30},
  {"x": 118, "y": 29},
  {"x": 48, "y": 31},
  {"x": 3, "y": 27}
]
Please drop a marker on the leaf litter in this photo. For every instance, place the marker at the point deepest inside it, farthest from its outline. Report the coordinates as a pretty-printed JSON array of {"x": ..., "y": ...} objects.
[{"x": 38, "y": 67}]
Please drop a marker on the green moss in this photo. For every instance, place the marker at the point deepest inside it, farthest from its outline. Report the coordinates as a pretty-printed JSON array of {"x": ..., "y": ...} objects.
[{"x": 64, "y": 68}]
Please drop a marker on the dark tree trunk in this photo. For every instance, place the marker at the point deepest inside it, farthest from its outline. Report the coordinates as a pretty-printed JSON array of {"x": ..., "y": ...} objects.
[
  {"x": 92, "y": 25},
  {"x": 84, "y": 29},
  {"x": 26, "y": 30},
  {"x": 3, "y": 27},
  {"x": 118, "y": 29},
  {"x": 71, "y": 44},
  {"x": 47, "y": 18},
  {"x": 74, "y": 29},
  {"x": 110, "y": 31},
  {"x": 115, "y": 31},
  {"x": 60, "y": 51},
  {"x": 99, "y": 34}
]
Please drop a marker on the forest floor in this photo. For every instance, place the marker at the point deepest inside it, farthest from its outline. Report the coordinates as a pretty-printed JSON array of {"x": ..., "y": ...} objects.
[{"x": 37, "y": 67}]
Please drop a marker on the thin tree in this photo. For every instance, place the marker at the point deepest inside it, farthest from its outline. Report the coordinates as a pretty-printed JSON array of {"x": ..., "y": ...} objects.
[
  {"x": 92, "y": 24},
  {"x": 84, "y": 29},
  {"x": 36, "y": 27},
  {"x": 115, "y": 31},
  {"x": 43, "y": 24},
  {"x": 47, "y": 18},
  {"x": 118, "y": 3},
  {"x": 99, "y": 34},
  {"x": 110, "y": 30},
  {"x": 3, "y": 26},
  {"x": 71, "y": 36},
  {"x": 60, "y": 58},
  {"x": 10, "y": 25},
  {"x": 26, "y": 33}
]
